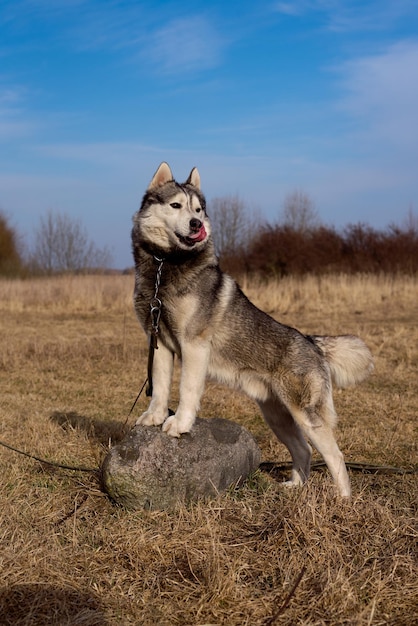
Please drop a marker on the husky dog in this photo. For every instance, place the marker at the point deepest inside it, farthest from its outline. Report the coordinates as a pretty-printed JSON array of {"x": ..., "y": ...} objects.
[{"x": 207, "y": 321}]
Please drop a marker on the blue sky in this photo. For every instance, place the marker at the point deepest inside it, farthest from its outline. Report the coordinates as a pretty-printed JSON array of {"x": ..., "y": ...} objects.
[{"x": 263, "y": 97}]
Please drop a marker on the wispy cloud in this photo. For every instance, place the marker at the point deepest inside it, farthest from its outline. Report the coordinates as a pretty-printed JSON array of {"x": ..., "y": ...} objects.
[
  {"x": 184, "y": 45},
  {"x": 290, "y": 8},
  {"x": 170, "y": 45},
  {"x": 108, "y": 26},
  {"x": 77, "y": 24},
  {"x": 381, "y": 93},
  {"x": 371, "y": 16},
  {"x": 349, "y": 15},
  {"x": 13, "y": 122}
]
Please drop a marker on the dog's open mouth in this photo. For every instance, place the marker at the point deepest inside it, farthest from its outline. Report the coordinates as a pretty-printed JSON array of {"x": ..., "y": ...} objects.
[{"x": 194, "y": 237}]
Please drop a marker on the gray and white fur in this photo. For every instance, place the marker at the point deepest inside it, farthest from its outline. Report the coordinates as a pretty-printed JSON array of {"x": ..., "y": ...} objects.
[{"x": 216, "y": 332}]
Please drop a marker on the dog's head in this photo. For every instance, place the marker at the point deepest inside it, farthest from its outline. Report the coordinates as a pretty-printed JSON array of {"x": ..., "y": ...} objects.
[{"x": 173, "y": 216}]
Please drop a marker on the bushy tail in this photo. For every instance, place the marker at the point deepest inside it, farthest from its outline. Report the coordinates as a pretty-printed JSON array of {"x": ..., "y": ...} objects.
[{"x": 349, "y": 359}]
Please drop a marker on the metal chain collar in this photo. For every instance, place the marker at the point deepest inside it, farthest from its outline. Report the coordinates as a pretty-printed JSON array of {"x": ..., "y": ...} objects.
[
  {"x": 156, "y": 304},
  {"x": 155, "y": 308}
]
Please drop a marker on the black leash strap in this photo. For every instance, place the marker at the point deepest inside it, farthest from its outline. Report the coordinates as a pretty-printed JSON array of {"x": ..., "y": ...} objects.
[
  {"x": 153, "y": 345},
  {"x": 155, "y": 309},
  {"x": 50, "y": 463},
  {"x": 364, "y": 468},
  {"x": 135, "y": 401}
]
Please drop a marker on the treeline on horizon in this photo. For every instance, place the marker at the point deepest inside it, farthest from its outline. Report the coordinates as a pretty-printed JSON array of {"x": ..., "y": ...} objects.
[
  {"x": 282, "y": 250},
  {"x": 298, "y": 244}
]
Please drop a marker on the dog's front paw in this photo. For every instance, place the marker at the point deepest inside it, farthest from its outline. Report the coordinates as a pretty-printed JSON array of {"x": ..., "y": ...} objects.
[
  {"x": 297, "y": 480},
  {"x": 176, "y": 426},
  {"x": 151, "y": 418},
  {"x": 291, "y": 484}
]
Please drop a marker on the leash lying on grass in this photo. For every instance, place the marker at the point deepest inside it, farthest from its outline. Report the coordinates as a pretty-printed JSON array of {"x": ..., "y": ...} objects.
[
  {"x": 364, "y": 468},
  {"x": 51, "y": 463},
  {"x": 266, "y": 466}
]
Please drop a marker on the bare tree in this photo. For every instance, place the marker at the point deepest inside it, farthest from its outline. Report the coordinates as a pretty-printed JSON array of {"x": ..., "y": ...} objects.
[
  {"x": 232, "y": 224},
  {"x": 410, "y": 223},
  {"x": 299, "y": 212},
  {"x": 62, "y": 245}
]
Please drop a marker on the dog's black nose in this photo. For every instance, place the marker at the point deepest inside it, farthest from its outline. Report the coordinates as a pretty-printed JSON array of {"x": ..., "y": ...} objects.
[{"x": 195, "y": 224}]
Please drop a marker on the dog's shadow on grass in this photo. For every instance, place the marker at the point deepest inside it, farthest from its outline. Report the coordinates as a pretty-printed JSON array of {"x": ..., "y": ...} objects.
[
  {"x": 49, "y": 604},
  {"x": 102, "y": 431}
]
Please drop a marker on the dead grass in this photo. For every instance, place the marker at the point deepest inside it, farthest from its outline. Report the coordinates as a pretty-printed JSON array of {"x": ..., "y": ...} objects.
[{"x": 71, "y": 362}]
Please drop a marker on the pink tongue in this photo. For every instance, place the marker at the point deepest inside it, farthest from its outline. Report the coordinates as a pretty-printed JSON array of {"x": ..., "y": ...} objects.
[{"x": 199, "y": 236}]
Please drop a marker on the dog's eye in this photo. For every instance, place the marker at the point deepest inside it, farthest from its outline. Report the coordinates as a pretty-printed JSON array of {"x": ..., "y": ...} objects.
[{"x": 175, "y": 205}]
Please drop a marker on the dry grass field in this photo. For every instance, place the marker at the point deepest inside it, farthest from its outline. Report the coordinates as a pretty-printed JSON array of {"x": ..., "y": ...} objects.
[{"x": 72, "y": 360}]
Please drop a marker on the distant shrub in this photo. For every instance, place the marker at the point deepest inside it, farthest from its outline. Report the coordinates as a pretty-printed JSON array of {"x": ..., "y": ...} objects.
[{"x": 10, "y": 260}]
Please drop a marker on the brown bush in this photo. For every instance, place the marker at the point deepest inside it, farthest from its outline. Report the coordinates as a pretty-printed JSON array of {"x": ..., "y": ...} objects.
[
  {"x": 281, "y": 250},
  {"x": 10, "y": 261}
]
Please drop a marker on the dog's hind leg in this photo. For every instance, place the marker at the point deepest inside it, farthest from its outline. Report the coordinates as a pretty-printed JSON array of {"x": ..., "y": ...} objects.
[
  {"x": 290, "y": 434},
  {"x": 322, "y": 438},
  {"x": 316, "y": 423}
]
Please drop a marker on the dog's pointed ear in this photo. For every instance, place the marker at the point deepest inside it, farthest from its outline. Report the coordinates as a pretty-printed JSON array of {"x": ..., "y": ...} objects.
[
  {"x": 162, "y": 175},
  {"x": 194, "y": 178}
]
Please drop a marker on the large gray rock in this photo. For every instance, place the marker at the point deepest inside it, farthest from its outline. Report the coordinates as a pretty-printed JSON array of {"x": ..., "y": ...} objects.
[{"x": 151, "y": 470}]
